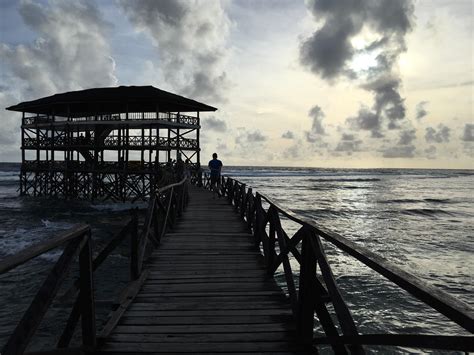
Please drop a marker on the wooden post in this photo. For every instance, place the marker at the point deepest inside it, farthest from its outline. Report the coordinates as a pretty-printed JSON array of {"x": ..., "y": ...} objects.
[
  {"x": 134, "y": 273},
  {"x": 307, "y": 288},
  {"x": 258, "y": 219},
  {"x": 198, "y": 149},
  {"x": 87, "y": 302},
  {"x": 18, "y": 341}
]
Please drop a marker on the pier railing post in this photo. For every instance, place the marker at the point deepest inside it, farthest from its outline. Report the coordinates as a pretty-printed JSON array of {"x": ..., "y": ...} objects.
[
  {"x": 134, "y": 246},
  {"x": 249, "y": 210},
  {"x": 87, "y": 294},
  {"x": 307, "y": 291},
  {"x": 258, "y": 220}
]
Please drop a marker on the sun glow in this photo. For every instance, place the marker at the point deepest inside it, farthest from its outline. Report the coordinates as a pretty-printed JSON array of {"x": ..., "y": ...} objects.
[{"x": 364, "y": 61}]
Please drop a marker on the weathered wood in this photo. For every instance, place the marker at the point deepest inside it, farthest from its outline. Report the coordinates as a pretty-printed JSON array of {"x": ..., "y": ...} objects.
[
  {"x": 203, "y": 282},
  {"x": 306, "y": 300},
  {"x": 111, "y": 245},
  {"x": 68, "y": 351},
  {"x": 29, "y": 253},
  {"x": 290, "y": 283},
  {"x": 343, "y": 313},
  {"x": 86, "y": 294},
  {"x": 205, "y": 338},
  {"x": 31, "y": 319},
  {"x": 71, "y": 323},
  {"x": 202, "y": 329},
  {"x": 125, "y": 300},
  {"x": 201, "y": 347},
  {"x": 453, "y": 308},
  {"x": 134, "y": 268},
  {"x": 208, "y": 286},
  {"x": 276, "y": 311},
  {"x": 206, "y": 320}
]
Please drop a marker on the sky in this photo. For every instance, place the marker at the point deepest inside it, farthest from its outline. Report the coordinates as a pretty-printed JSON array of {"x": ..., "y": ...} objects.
[{"x": 318, "y": 83}]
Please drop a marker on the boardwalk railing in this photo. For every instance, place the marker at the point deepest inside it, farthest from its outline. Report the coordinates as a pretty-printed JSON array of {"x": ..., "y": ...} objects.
[
  {"x": 163, "y": 209},
  {"x": 311, "y": 294}
]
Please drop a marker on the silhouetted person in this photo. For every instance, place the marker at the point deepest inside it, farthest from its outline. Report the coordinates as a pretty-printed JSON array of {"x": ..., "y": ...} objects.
[
  {"x": 179, "y": 169},
  {"x": 187, "y": 169},
  {"x": 215, "y": 165}
]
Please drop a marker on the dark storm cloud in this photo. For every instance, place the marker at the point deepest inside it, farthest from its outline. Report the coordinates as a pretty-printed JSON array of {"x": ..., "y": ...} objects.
[
  {"x": 329, "y": 52},
  {"x": 439, "y": 135},
  {"x": 420, "y": 110},
  {"x": 288, "y": 135},
  {"x": 214, "y": 124},
  {"x": 468, "y": 133},
  {"x": 191, "y": 41}
]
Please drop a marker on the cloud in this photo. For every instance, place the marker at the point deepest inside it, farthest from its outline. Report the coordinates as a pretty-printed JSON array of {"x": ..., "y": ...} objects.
[
  {"x": 431, "y": 152},
  {"x": 420, "y": 110},
  {"x": 293, "y": 152},
  {"x": 191, "y": 40},
  {"x": 439, "y": 135},
  {"x": 288, "y": 135},
  {"x": 404, "y": 147},
  {"x": 9, "y": 134},
  {"x": 214, "y": 124},
  {"x": 222, "y": 147},
  {"x": 366, "y": 120},
  {"x": 388, "y": 107},
  {"x": 407, "y": 137},
  {"x": 70, "y": 53},
  {"x": 317, "y": 127},
  {"x": 349, "y": 144},
  {"x": 407, "y": 151},
  {"x": 245, "y": 137},
  {"x": 256, "y": 137},
  {"x": 330, "y": 51},
  {"x": 468, "y": 133}
]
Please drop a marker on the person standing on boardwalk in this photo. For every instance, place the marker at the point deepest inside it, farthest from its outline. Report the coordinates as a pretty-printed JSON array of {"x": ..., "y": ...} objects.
[{"x": 215, "y": 165}]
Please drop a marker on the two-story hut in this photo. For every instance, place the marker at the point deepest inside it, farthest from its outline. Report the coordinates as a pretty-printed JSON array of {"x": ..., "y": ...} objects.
[{"x": 106, "y": 143}]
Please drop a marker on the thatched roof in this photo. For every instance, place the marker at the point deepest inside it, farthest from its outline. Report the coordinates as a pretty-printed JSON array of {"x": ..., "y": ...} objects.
[{"x": 111, "y": 100}]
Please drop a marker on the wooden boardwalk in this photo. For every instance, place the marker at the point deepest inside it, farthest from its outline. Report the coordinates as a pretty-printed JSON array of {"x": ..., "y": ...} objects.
[{"x": 206, "y": 292}]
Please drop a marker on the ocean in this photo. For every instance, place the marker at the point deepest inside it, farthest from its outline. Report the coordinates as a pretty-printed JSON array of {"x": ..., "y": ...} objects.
[{"x": 421, "y": 220}]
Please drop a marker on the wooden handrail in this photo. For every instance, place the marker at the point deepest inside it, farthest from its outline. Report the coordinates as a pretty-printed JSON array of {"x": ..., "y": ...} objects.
[
  {"x": 33, "y": 251},
  {"x": 312, "y": 295},
  {"x": 453, "y": 308},
  {"x": 167, "y": 187},
  {"x": 78, "y": 239}
]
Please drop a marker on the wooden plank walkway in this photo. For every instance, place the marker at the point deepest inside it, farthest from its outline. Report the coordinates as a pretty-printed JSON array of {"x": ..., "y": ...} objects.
[{"x": 206, "y": 292}]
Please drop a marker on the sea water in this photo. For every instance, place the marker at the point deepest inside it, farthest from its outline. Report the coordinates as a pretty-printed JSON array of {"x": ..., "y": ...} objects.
[{"x": 421, "y": 220}]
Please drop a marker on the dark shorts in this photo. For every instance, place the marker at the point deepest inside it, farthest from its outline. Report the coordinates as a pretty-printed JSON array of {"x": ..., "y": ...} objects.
[{"x": 215, "y": 180}]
